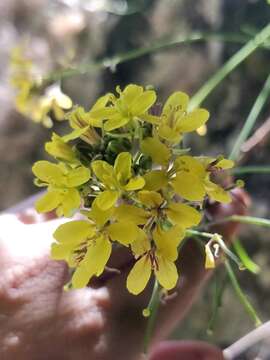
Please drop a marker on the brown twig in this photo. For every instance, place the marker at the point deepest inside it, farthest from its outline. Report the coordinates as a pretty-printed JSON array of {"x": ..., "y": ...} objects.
[{"x": 258, "y": 138}]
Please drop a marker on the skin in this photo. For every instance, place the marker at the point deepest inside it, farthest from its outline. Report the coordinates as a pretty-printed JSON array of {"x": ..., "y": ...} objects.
[{"x": 38, "y": 320}]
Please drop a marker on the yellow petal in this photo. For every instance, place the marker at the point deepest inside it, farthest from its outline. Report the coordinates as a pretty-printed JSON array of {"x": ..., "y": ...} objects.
[
  {"x": 209, "y": 258},
  {"x": 169, "y": 134},
  {"x": 122, "y": 167},
  {"x": 57, "y": 111},
  {"x": 107, "y": 199},
  {"x": 100, "y": 217},
  {"x": 217, "y": 193},
  {"x": 151, "y": 199},
  {"x": 189, "y": 186},
  {"x": 143, "y": 102},
  {"x": 103, "y": 171},
  {"x": 99, "y": 254},
  {"x": 190, "y": 164},
  {"x": 101, "y": 102},
  {"x": 74, "y": 232},
  {"x": 48, "y": 202},
  {"x": 59, "y": 149},
  {"x": 202, "y": 130},
  {"x": 168, "y": 241},
  {"x": 158, "y": 151},
  {"x": 75, "y": 134},
  {"x": 193, "y": 120},
  {"x": 152, "y": 119},
  {"x": 95, "y": 260},
  {"x": 178, "y": 101},
  {"x": 135, "y": 183},
  {"x": 63, "y": 100},
  {"x": 131, "y": 213},
  {"x": 166, "y": 273},
  {"x": 225, "y": 164},
  {"x": 96, "y": 116},
  {"x": 155, "y": 180},
  {"x": 124, "y": 232},
  {"x": 77, "y": 177},
  {"x": 62, "y": 251},
  {"x": 48, "y": 172},
  {"x": 139, "y": 276},
  {"x": 115, "y": 122},
  {"x": 71, "y": 201},
  {"x": 141, "y": 245},
  {"x": 77, "y": 118},
  {"x": 131, "y": 92},
  {"x": 183, "y": 215},
  {"x": 81, "y": 276}
]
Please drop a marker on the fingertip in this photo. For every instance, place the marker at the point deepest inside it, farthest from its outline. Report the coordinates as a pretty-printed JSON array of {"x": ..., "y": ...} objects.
[{"x": 188, "y": 350}]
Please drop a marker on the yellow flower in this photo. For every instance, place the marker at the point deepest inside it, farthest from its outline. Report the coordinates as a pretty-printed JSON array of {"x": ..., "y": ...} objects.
[
  {"x": 116, "y": 179},
  {"x": 192, "y": 180},
  {"x": 159, "y": 152},
  {"x": 56, "y": 101},
  {"x": 133, "y": 103},
  {"x": 160, "y": 259},
  {"x": 37, "y": 107},
  {"x": 155, "y": 180},
  {"x": 175, "y": 120},
  {"x": 58, "y": 148},
  {"x": 82, "y": 122},
  {"x": 79, "y": 243},
  {"x": 150, "y": 199},
  {"x": 177, "y": 213},
  {"x": 183, "y": 215},
  {"x": 86, "y": 244},
  {"x": 29, "y": 101},
  {"x": 62, "y": 185},
  {"x": 127, "y": 212}
]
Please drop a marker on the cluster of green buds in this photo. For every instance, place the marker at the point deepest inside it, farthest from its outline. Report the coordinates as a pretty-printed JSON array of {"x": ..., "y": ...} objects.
[{"x": 124, "y": 170}]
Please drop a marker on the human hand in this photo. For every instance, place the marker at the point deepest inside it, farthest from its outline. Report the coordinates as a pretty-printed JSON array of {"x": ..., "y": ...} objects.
[{"x": 38, "y": 320}]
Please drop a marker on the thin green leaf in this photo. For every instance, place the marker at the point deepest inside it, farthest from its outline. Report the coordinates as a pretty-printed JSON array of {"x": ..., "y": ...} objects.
[
  {"x": 244, "y": 257},
  {"x": 152, "y": 310},
  {"x": 229, "y": 66},
  {"x": 241, "y": 296},
  {"x": 256, "y": 169},
  {"x": 219, "y": 288},
  {"x": 249, "y": 220},
  {"x": 157, "y": 46}
]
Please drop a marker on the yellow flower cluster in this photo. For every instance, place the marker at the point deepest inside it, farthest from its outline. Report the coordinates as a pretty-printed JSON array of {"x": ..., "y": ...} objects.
[
  {"x": 33, "y": 100},
  {"x": 124, "y": 169}
]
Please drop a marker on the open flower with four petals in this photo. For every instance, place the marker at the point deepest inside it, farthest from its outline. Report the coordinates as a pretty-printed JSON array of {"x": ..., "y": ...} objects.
[{"x": 116, "y": 179}]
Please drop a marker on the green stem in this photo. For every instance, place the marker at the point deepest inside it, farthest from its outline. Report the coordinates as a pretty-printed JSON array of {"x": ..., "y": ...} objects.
[
  {"x": 241, "y": 296},
  {"x": 152, "y": 308},
  {"x": 199, "y": 233},
  {"x": 219, "y": 288},
  {"x": 251, "y": 119},
  {"x": 256, "y": 169},
  {"x": 249, "y": 220},
  {"x": 117, "y": 136},
  {"x": 244, "y": 257},
  {"x": 229, "y": 66},
  {"x": 158, "y": 45}
]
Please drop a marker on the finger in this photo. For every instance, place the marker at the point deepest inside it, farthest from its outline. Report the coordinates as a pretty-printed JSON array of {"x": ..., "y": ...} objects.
[
  {"x": 18, "y": 240},
  {"x": 26, "y": 213},
  {"x": 188, "y": 350}
]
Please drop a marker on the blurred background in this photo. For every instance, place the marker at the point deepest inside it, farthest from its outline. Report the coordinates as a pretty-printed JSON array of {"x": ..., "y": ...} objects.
[{"x": 66, "y": 33}]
